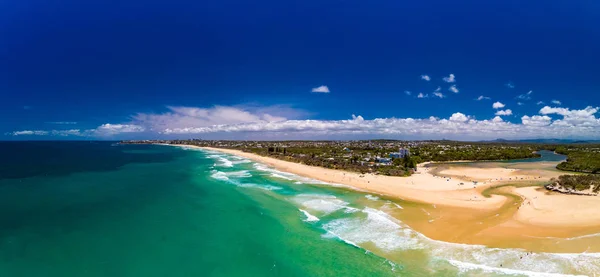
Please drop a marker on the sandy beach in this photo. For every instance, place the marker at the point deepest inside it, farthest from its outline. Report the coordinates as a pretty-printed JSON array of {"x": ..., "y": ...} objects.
[{"x": 461, "y": 187}]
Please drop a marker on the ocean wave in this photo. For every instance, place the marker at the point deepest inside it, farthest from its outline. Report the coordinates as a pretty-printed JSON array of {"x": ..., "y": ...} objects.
[
  {"x": 397, "y": 205},
  {"x": 325, "y": 204},
  {"x": 281, "y": 176},
  {"x": 220, "y": 175},
  {"x": 263, "y": 187},
  {"x": 371, "y": 197},
  {"x": 331, "y": 234},
  {"x": 309, "y": 217},
  {"x": 391, "y": 235},
  {"x": 224, "y": 162}
]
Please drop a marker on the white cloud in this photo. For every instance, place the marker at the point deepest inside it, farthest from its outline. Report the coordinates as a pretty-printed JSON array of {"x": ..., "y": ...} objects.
[
  {"x": 407, "y": 92},
  {"x": 540, "y": 103},
  {"x": 450, "y": 79},
  {"x": 481, "y": 97},
  {"x": 421, "y": 95},
  {"x": 510, "y": 85},
  {"x": 504, "y": 112},
  {"x": 536, "y": 120},
  {"x": 453, "y": 88},
  {"x": 64, "y": 133},
  {"x": 458, "y": 126},
  {"x": 321, "y": 89},
  {"x": 425, "y": 77},
  {"x": 459, "y": 117},
  {"x": 439, "y": 94},
  {"x": 359, "y": 118},
  {"x": 438, "y": 89},
  {"x": 498, "y": 105},
  {"x": 29, "y": 133},
  {"x": 62, "y": 122},
  {"x": 273, "y": 123},
  {"x": 525, "y": 96},
  {"x": 114, "y": 129},
  {"x": 556, "y": 102},
  {"x": 571, "y": 118},
  {"x": 193, "y": 117},
  {"x": 520, "y": 103}
]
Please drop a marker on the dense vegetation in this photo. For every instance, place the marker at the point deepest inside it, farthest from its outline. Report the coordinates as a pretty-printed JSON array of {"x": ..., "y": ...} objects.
[
  {"x": 580, "y": 158},
  {"x": 576, "y": 183},
  {"x": 477, "y": 152}
]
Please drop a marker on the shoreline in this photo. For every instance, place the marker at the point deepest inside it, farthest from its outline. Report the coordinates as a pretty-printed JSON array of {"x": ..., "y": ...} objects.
[{"x": 455, "y": 188}]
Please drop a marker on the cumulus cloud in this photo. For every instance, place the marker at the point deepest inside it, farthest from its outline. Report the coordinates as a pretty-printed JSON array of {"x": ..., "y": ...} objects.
[
  {"x": 525, "y": 96},
  {"x": 438, "y": 94},
  {"x": 520, "y": 103},
  {"x": 421, "y": 95},
  {"x": 510, "y": 85},
  {"x": 540, "y": 103},
  {"x": 571, "y": 118},
  {"x": 458, "y": 126},
  {"x": 536, "y": 120},
  {"x": 481, "y": 97},
  {"x": 556, "y": 102},
  {"x": 425, "y": 77},
  {"x": 193, "y": 117},
  {"x": 498, "y": 105},
  {"x": 407, "y": 92},
  {"x": 321, "y": 89},
  {"x": 270, "y": 122},
  {"x": 458, "y": 117},
  {"x": 29, "y": 133},
  {"x": 450, "y": 79},
  {"x": 504, "y": 112},
  {"x": 453, "y": 88}
]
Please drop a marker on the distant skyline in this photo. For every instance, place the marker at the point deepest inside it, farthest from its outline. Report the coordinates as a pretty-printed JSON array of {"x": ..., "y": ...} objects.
[{"x": 474, "y": 70}]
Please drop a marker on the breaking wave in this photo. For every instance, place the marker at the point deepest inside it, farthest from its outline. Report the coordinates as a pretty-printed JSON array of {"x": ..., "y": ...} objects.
[
  {"x": 391, "y": 235},
  {"x": 309, "y": 217}
]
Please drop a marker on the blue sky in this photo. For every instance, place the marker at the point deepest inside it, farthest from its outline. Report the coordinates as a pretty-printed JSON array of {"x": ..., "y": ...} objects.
[{"x": 246, "y": 70}]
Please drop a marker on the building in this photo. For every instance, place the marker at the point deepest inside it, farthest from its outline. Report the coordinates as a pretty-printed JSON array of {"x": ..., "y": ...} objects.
[
  {"x": 402, "y": 152},
  {"x": 384, "y": 161}
]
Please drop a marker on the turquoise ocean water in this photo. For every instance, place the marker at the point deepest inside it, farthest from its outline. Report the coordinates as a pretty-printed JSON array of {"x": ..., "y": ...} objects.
[{"x": 101, "y": 209}]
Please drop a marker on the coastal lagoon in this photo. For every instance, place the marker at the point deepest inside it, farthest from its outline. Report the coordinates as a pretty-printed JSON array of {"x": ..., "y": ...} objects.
[{"x": 103, "y": 209}]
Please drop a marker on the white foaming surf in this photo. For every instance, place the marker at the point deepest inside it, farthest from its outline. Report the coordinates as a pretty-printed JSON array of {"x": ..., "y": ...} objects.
[
  {"x": 281, "y": 176},
  {"x": 324, "y": 204},
  {"x": 371, "y": 197},
  {"x": 391, "y": 235},
  {"x": 309, "y": 217},
  {"x": 225, "y": 176},
  {"x": 257, "y": 186}
]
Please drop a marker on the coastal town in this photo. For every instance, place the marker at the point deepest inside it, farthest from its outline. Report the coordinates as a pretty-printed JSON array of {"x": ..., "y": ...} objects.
[{"x": 386, "y": 157}]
